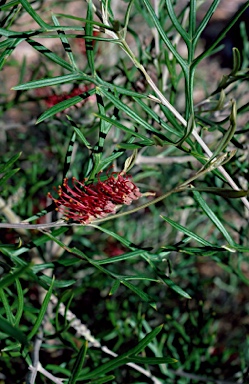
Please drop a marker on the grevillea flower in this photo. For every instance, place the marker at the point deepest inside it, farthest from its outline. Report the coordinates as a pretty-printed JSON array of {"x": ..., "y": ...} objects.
[
  {"x": 51, "y": 100},
  {"x": 84, "y": 203}
]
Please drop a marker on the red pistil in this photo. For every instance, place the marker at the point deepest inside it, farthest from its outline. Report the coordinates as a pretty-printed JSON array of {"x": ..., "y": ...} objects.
[{"x": 84, "y": 203}]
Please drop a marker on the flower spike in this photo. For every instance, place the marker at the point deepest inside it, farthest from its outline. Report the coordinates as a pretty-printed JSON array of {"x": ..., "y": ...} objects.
[{"x": 84, "y": 203}]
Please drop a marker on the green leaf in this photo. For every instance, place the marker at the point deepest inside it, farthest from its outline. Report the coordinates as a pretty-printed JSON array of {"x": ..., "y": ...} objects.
[
  {"x": 65, "y": 43},
  {"x": 116, "y": 236},
  {"x": 114, "y": 288},
  {"x": 124, "y": 256},
  {"x": 40, "y": 267},
  {"x": 47, "y": 82},
  {"x": 11, "y": 331},
  {"x": 123, "y": 107},
  {"x": 8, "y": 280},
  {"x": 81, "y": 136},
  {"x": 176, "y": 23},
  {"x": 61, "y": 106},
  {"x": 124, "y": 128},
  {"x": 173, "y": 285},
  {"x": 7, "y": 308},
  {"x": 123, "y": 359},
  {"x": 10, "y": 4},
  {"x": 8, "y": 175},
  {"x": 20, "y": 299},
  {"x": 174, "y": 129},
  {"x": 153, "y": 360},
  {"x": 26, "y": 5},
  {"x": 144, "y": 296},
  {"x": 103, "y": 131},
  {"x": 50, "y": 55},
  {"x": 133, "y": 146},
  {"x": 103, "y": 380},
  {"x": 204, "y": 21},
  {"x": 42, "y": 312},
  {"x": 58, "y": 283},
  {"x": 224, "y": 192},
  {"x": 9, "y": 49},
  {"x": 236, "y": 61},
  {"x": 188, "y": 130},
  {"x": 211, "y": 215},
  {"x": 164, "y": 36},
  {"x": 78, "y": 364},
  {"x": 226, "y": 138},
  {"x": 145, "y": 341},
  {"x": 12, "y": 160},
  {"x": 221, "y": 35},
  {"x": 68, "y": 156},
  {"x": 127, "y": 19},
  {"x": 89, "y": 42},
  {"x": 187, "y": 232}
]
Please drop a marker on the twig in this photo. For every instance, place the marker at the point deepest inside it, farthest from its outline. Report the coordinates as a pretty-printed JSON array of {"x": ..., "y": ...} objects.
[
  {"x": 36, "y": 349},
  {"x": 47, "y": 374}
]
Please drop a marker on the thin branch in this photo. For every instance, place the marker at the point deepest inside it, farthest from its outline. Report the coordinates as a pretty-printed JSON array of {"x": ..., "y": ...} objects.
[
  {"x": 35, "y": 357},
  {"x": 47, "y": 374}
]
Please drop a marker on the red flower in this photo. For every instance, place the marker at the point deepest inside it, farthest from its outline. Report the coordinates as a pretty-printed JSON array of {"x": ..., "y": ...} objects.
[
  {"x": 55, "y": 99},
  {"x": 84, "y": 203}
]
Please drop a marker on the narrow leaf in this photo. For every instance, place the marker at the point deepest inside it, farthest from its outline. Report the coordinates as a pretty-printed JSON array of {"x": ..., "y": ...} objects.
[
  {"x": 50, "y": 55},
  {"x": 187, "y": 232},
  {"x": 65, "y": 43},
  {"x": 8, "y": 175},
  {"x": 61, "y": 106},
  {"x": 7, "y": 308},
  {"x": 173, "y": 285},
  {"x": 164, "y": 36},
  {"x": 124, "y": 128},
  {"x": 89, "y": 42},
  {"x": 81, "y": 136},
  {"x": 20, "y": 299},
  {"x": 176, "y": 23},
  {"x": 145, "y": 341},
  {"x": 114, "y": 288},
  {"x": 224, "y": 192},
  {"x": 8, "y": 280},
  {"x": 103, "y": 380},
  {"x": 211, "y": 215},
  {"x": 153, "y": 360},
  {"x": 144, "y": 296},
  {"x": 78, "y": 364},
  {"x": 124, "y": 358},
  {"x": 12, "y": 160},
  {"x": 26, "y": 5},
  {"x": 42, "y": 312},
  {"x": 120, "y": 105},
  {"x": 68, "y": 157},
  {"x": 51, "y": 81},
  {"x": 11, "y": 331}
]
